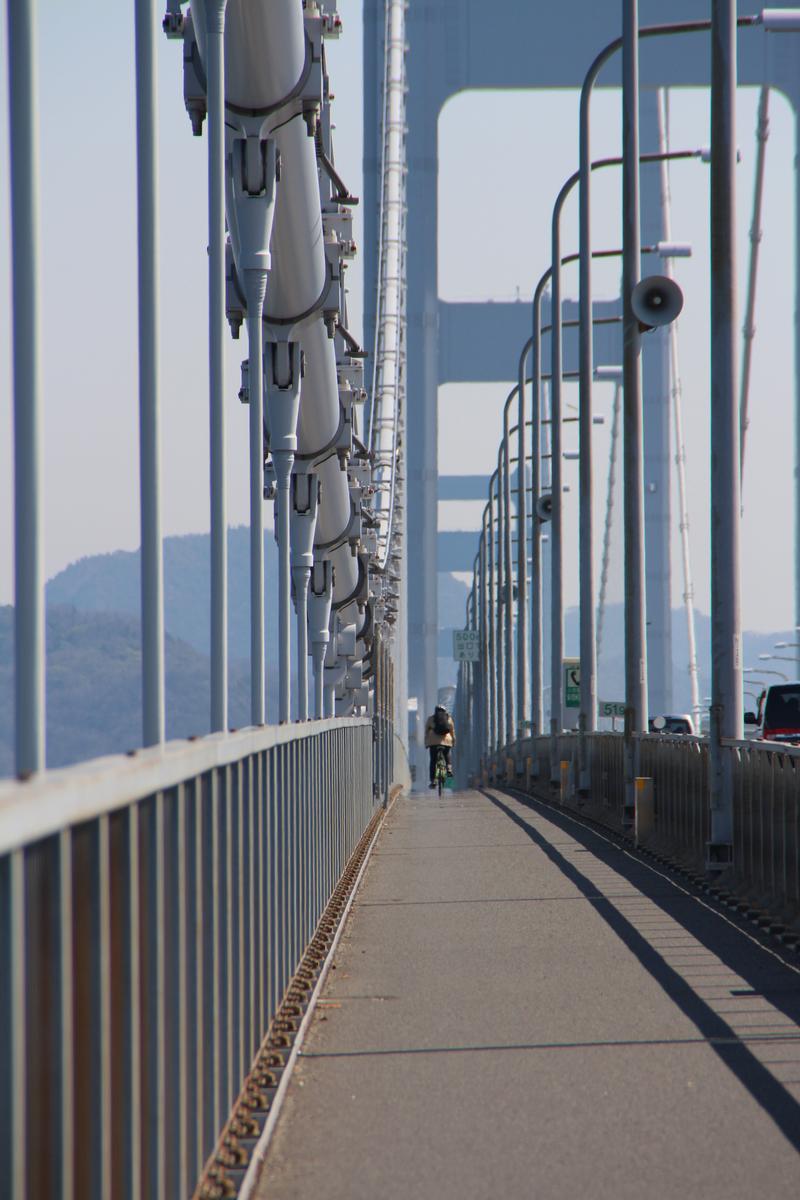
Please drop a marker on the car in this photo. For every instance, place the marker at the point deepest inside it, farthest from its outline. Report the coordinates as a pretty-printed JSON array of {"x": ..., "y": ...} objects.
[
  {"x": 778, "y": 713},
  {"x": 680, "y": 723}
]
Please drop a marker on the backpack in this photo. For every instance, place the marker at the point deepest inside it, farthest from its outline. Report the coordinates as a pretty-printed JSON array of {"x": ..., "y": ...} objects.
[{"x": 441, "y": 723}]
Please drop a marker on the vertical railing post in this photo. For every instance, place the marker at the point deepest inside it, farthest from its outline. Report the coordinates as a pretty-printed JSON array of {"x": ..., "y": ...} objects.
[
  {"x": 152, "y": 587},
  {"x": 215, "y": 72},
  {"x": 28, "y": 511}
]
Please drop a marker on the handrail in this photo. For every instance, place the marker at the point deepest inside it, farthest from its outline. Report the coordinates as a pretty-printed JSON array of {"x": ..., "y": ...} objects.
[{"x": 54, "y": 801}]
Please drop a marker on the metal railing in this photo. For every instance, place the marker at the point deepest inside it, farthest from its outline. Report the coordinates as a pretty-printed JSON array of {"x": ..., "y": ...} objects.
[
  {"x": 152, "y": 912},
  {"x": 766, "y": 791}
]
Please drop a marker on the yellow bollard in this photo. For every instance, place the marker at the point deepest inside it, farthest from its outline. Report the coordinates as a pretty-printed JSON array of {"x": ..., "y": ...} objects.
[
  {"x": 564, "y": 780},
  {"x": 644, "y": 816}
]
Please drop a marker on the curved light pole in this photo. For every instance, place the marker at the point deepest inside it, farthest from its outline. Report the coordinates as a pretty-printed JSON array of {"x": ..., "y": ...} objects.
[
  {"x": 488, "y": 714},
  {"x": 556, "y": 605},
  {"x": 496, "y": 724},
  {"x": 508, "y": 579},
  {"x": 588, "y": 710},
  {"x": 776, "y": 658},
  {"x": 725, "y": 640}
]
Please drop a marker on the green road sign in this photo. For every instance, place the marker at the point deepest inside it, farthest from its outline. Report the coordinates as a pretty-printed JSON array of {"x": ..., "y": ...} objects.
[
  {"x": 466, "y": 645},
  {"x": 611, "y": 708},
  {"x": 572, "y": 683}
]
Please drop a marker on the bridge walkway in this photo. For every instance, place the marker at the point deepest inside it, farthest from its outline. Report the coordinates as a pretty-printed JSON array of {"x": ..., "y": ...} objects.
[{"x": 520, "y": 1007}]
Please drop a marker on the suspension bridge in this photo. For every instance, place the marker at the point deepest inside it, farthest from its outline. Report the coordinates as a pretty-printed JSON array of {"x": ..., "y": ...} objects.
[{"x": 269, "y": 961}]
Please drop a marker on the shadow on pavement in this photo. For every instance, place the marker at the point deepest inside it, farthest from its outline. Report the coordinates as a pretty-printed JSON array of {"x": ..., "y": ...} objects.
[{"x": 767, "y": 975}]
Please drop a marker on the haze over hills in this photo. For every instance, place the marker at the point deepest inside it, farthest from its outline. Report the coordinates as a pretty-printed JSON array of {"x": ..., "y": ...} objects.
[
  {"x": 110, "y": 583},
  {"x": 93, "y": 686},
  {"x": 94, "y": 653}
]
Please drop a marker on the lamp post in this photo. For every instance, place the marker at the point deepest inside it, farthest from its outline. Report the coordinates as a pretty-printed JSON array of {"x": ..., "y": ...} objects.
[
  {"x": 770, "y": 19},
  {"x": 789, "y": 646},
  {"x": 496, "y": 723},
  {"x": 556, "y": 612},
  {"x": 488, "y": 712},
  {"x": 776, "y": 658},
  {"x": 500, "y": 639},
  {"x": 588, "y": 654},
  {"x": 726, "y": 664},
  {"x": 508, "y": 576},
  {"x": 632, "y": 444}
]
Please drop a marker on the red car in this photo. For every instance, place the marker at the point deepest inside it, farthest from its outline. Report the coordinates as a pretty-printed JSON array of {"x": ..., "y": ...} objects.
[{"x": 778, "y": 713}]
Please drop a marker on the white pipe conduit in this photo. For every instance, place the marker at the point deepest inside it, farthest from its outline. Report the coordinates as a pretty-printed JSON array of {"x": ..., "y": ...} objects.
[
  {"x": 389, "y": 373},
  {"x": 268, "y": 58}
]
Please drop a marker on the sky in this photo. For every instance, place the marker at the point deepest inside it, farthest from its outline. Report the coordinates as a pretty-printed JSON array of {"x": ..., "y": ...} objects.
[{"x": 524, "y": 143}]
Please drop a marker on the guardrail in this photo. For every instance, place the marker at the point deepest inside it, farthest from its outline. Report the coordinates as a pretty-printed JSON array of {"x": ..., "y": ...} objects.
[
  {"x": 152, "y": 911},
  {"x": 766, "y": 778}
]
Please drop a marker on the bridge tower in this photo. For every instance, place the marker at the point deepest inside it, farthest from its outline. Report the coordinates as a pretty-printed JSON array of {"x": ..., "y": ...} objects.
[{"x": 455, "y": 45}]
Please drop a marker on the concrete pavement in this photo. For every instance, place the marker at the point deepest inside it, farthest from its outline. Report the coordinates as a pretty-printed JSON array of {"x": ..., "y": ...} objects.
[{"x": 522, "y": 1009}]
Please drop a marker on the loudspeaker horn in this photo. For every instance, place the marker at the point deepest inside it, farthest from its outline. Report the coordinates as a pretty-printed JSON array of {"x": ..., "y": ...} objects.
[
  {"x": 544, "y": 507},
  {"x": 656, "y": 300}
]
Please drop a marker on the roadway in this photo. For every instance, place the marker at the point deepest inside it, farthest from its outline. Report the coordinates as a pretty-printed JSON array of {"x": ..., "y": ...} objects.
[{"x": 519, "y": 1007}]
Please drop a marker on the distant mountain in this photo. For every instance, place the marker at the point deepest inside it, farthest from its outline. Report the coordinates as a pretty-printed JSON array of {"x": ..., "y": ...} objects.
[
  {"x": 93, "y": 687},
  {"x": 110, "y": 583},
  {"x": 611, "y": 663},
  {"x": 93, "y": 647}
]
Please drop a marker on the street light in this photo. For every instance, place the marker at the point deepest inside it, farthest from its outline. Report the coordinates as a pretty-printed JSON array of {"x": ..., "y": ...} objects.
[
  {"x": 556, "y": 604},
  {"x": 588, "y": 655},
  {"x": 777, "y": 658},
  {"x": 726, "y": 631},
  {"x": 763, "y": 671}
]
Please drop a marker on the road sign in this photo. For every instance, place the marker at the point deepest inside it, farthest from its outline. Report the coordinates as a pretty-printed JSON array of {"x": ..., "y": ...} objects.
[
  {"x": 466, "y": 645},
  {"x": 611, "y": 708},
  {"x": 572, "y": 683}
]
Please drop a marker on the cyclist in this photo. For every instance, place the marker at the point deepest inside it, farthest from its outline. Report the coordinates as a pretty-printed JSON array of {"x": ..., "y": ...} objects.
[{"x": 440, "y": 733}]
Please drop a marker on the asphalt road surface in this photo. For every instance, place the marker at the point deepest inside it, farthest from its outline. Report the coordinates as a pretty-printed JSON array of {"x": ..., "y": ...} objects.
[{"x": 519, "y": 1008}]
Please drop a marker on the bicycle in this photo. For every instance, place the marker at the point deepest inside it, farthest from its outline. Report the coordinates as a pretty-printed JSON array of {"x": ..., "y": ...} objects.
[{"x": 440, "y": 770}]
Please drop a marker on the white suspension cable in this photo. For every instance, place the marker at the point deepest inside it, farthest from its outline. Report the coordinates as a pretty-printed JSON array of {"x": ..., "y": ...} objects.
[
  {"x": 612, "y": 476},
  {"x": 677, "y": 409}
]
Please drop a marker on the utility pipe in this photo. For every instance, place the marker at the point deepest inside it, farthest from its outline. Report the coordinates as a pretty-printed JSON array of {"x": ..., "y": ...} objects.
[{"x": 251, "y": 209}]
